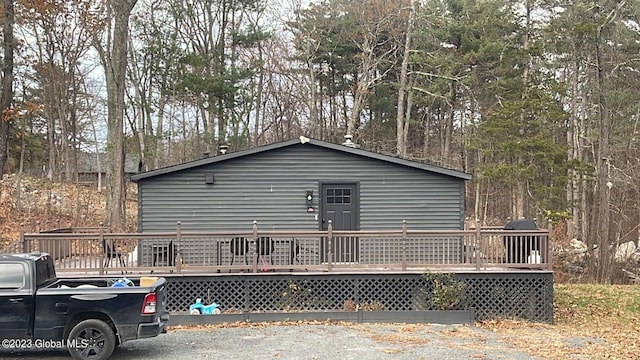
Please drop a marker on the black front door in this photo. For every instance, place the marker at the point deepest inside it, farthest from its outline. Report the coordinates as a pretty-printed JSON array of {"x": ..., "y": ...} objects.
[{"x": 340, "y": 205}]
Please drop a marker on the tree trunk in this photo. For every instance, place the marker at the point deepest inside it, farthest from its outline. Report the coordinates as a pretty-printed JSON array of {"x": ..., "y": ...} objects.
[
  {"x": 603, "y": 162},
  {"x": 23, "y": 147},
  {"x": 407, "y": 116},
  {"x": 362, "y": 87},
  {"x": 401, "y": 145},
  {"x": 260, "y": 90},
  {"x": 115, "y": 71},
  {"x": 158, "y": 138},
  {"x": 603, "y": 194},
  {"x": 6, "y": 98},
  {"x": 519, "y": 187},
  {"x": 312, "y": 102},
  {"x": 448, "y": 130},
  {"x": 426, "y": 144}
]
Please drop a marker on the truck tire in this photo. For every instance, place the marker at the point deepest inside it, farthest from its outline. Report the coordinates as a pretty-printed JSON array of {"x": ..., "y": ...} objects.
[{"x": 91, "y": 339}]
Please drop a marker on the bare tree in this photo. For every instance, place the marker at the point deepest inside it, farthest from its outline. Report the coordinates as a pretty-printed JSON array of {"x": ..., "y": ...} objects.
[
  {"x": 62, "y": 41},
  {"x": 375, "y": 20},
  {"x": 603, "y": 160},
  {"x": 6, "y": 97},
  {"x": 113, "y": 55},
  {"x": 402, "y": 123}
]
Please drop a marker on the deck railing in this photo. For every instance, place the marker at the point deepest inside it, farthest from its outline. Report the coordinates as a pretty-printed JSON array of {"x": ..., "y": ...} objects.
[{"x": 97, "y": 251}]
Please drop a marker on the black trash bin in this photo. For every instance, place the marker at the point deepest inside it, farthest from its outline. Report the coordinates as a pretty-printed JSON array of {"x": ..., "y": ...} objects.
[{"x": 518, "y": 248}]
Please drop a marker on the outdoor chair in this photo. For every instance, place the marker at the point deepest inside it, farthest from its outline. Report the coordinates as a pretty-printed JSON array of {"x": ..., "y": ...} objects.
[
  {"x": 239, "y": 246},
  {"x": 164, "y": 254},
  {"x": 265, "y": 246},
  {"x": 110, "y": 252},
  {"x": 294, "y": 251}
]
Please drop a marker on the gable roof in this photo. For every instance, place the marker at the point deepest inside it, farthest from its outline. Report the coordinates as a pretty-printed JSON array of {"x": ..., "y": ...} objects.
[{"x": 306, "y": 141}]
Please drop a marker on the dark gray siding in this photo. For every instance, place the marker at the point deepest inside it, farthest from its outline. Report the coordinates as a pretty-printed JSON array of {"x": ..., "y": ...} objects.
[{"x": 269, "y": 187}]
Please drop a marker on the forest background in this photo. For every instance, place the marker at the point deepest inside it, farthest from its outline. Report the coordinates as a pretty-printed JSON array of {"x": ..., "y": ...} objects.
[{"x": 537, "y": 99}]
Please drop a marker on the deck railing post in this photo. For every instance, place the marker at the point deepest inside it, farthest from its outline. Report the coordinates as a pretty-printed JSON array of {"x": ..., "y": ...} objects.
[
  {"x": 102, "y": 248},
  {"x": 254, "y": 259},
  {"x": 478, "y": 244},
  {"x": 329, "y": 245},
  {"x": 22, "y": 242},
  {"x": 404, "y": 245},
  {"x": 178, "y": 259},
  {"x": 549, "y": 249}
]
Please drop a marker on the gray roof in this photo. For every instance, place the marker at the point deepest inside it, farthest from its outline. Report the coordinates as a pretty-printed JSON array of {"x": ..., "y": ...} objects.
[{"x": 306, "y": 141}]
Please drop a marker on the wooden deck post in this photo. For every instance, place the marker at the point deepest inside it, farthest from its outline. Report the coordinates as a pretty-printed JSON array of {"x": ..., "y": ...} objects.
[
  {"x": 102, "y": 248},
  {"x": 24, "y": 244},
  {"x": 329, "y": 245},
  {"x": 404, "y": 245},
  {"x": 178, "y": 258},
  {"x": 254, "y": 261},
  {"x": 549, "y": 248},
  {"x": 478, "y": 245}
]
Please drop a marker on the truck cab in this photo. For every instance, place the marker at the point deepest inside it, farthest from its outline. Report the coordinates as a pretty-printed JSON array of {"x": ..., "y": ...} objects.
[
  {"x": 16, "y": 292},
  {"x": 87, "y": 316}
]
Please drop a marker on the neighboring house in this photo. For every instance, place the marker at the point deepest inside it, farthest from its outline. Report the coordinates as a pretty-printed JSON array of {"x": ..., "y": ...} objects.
[
  {"x": 300, "y": 185},
  {"x": 88, "y": 168}
]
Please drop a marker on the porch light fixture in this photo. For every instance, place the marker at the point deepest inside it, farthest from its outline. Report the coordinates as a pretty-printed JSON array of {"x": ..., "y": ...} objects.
[{"x": 309, "y": 200}]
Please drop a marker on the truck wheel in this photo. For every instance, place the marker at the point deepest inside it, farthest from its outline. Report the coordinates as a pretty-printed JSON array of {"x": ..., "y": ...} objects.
[{"x": 91, "y": 339}]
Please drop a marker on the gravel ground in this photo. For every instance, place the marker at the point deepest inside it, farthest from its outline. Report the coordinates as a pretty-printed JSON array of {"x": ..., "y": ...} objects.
[{"x": 310, "y": 341}]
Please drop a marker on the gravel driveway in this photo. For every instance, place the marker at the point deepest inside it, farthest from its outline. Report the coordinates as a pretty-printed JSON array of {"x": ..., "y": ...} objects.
[{"x": 311, "y": 341}]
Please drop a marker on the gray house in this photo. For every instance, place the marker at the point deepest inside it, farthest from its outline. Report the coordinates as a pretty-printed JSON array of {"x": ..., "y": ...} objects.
[{"x": 300, "y": 185}]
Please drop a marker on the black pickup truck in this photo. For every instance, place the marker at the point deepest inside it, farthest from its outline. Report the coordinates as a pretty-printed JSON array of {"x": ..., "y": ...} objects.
[{"x": 89, "y": 317}]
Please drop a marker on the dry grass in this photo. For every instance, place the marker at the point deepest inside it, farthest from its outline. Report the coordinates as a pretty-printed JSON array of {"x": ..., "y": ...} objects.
[{"x": 591, "y": 322}]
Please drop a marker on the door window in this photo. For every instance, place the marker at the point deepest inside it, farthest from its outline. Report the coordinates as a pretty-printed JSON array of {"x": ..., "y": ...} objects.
[{"x": 338, "y": 196}]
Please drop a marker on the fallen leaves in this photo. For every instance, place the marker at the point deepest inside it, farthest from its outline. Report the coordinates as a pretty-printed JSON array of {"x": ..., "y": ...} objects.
[
  {"x": 44, "y": 204},
  {"x": 249, "y": 324},
  {"x": 591, "y": 322}
]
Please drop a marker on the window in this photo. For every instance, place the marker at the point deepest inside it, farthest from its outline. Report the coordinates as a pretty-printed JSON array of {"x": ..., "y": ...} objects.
[
  {"x": 45, "y": 272},
  {"x": 11, "y": 276},
  {"x": 338, "y": 196}
]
